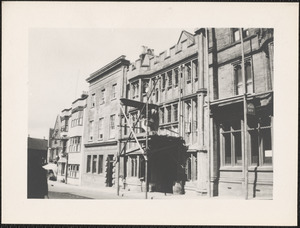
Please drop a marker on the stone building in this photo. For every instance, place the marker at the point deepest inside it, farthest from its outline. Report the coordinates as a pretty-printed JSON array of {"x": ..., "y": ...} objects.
[
  {"x": 75, "y": 145},
  {"x": 241, "y": 112},
  {"x": 213, "y": 91},
  {"x": 101, "y": 123},
  {"x": 170, "y": 81}
]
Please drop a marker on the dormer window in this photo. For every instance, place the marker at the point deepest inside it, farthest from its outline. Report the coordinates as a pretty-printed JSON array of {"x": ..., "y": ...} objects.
[{"x": 93, "y": 100}]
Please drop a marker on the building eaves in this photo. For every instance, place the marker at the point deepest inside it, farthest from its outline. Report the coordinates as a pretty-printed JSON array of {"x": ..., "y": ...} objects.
[{"x": 117, "y": 62}]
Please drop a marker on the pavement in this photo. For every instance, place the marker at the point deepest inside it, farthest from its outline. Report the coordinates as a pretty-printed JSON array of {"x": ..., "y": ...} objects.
[{"x": 58, "y": 190}]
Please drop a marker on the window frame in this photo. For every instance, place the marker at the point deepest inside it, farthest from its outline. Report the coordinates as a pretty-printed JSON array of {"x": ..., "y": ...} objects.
[{"x": 232, "y": 133}]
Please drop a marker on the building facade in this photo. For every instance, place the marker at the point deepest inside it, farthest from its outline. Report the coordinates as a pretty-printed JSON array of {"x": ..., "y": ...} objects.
[
  {"x": 241, "y": 112},
  {"x": 75, "y": 152},
  {"x": 197, "y": 118},
  {"x": 213, "y": 90},
  {"x": 102, "y": 123}
]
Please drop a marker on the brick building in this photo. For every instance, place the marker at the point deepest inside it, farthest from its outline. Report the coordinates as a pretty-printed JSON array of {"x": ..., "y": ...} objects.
[{"x": 102, "y": 117}]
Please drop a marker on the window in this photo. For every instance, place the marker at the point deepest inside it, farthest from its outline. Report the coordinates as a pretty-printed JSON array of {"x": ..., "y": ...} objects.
[
  {"x": 88, "y": 164},
  {"x": 156, "y": 95},
  {"x": 102, "y": 101},
  {"x": 145, "y": 86},
  {"x": 169, "y": 79},
  {"x": 114, "y": 91},
  {"x": 169, "y": 114},
  {"x": 94, "y": 164},
  {"x": 73, "y": 171},
  {"x": 239, "y": 79},
  {"x": 112, "y": 126},
  {"x": 236, "y": 34},
  {"x": 162, "y": 115},
  {"x": 245, "y": 32},
  {"x": 135, "y": 90},
  {"x": 80, "y": 117},
  {"x": 195, "y": 69},
  {"x": 100, "y": 129},
  {"x": 175, "y": 112},
  {"x": 191, "y": 167},
  {"x": 75, "y": 144},
  {"x": 260, "y": 141},
  {"x": 77, "y": 119},
  {"x": 100, "y": 164},
  {"x": 133, "y": 165},
  {"x": 163, "y": 83},
  {"x": 188, "y": 72},
  {"x": 93, "y": 101},
  {"x": 91, "y": 127},
  {"x": 231, "y": 143},
  {"x": 176, "y": 77}
]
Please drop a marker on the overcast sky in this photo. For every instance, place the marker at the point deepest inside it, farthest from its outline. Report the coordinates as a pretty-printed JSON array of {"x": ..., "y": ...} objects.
[{"x": 60, "y": 59}]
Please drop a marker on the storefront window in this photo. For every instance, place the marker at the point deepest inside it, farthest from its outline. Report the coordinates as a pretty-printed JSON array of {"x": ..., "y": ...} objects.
[{"x": 231, "y": 144}]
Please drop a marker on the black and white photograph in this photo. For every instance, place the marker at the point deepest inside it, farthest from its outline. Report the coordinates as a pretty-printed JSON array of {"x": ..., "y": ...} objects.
[{"x": 127, "y": 114}]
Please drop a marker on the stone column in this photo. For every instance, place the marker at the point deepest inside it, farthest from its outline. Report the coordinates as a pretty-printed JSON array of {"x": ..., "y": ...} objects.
[{"x": 202, "y": 151}]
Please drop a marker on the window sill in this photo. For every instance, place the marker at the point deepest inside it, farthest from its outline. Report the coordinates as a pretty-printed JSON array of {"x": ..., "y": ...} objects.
[
  {"x": 231, "y": 168},
  {"x": 261, "y": 168}
]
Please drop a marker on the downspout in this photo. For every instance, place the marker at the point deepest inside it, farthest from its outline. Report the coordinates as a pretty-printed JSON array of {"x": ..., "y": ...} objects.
[
  {"x": 245, "y": 154},
  {"x": 208, "y": 110}
]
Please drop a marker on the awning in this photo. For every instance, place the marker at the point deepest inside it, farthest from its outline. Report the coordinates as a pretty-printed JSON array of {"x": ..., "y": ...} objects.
[{"x": 136, "y": 104}]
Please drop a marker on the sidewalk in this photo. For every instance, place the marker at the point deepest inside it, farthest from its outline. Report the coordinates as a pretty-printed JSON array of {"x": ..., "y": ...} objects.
[{"x": 111, "y": 193}]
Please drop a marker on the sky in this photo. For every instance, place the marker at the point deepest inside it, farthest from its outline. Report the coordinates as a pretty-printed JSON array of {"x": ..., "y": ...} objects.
[{"x": 60, "y": 60}]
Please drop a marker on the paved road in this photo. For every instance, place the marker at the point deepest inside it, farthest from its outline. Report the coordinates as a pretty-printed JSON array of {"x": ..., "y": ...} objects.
[{"x": 64, "y": 195}]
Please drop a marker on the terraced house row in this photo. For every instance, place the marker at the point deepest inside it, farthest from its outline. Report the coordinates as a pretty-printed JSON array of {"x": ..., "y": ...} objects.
[{"x": 196, "y": 118}]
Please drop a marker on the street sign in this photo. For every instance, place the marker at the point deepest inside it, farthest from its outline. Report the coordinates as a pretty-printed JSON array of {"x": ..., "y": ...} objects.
[{"x": 251, "y": 109}]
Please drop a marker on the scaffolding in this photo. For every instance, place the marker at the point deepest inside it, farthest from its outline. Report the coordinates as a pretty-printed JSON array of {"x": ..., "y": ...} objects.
[{"x": 132, "y": 136}]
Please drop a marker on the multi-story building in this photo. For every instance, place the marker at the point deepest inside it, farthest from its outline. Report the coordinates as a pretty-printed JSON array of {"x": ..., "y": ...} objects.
[
  {"x": 101, "y": 123},
  {"x": 213, "y": 91},
  {"x": 57, "y": 146},
  {"x": 241, "y": 112},
  {"x": 171, "y": 81},
  {"x": 75, "y": 146}
]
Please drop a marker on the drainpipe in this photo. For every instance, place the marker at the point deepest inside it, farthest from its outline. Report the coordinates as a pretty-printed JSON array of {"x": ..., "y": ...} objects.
[
  {"x": 208, "y": 110},
  {"x": 245, "y": 154}
]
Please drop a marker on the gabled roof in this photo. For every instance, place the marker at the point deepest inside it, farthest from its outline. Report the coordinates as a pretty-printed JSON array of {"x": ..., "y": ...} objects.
[
  {"x": 37, "y": 144},
  {"x": 184, "y": 34}
]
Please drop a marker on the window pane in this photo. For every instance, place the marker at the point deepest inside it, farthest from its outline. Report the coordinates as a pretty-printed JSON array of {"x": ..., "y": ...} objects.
[
  {"x": 238, "y": 148},
  {"x": 236, "y": 35},
  {"x": 100, "y": 164},
  {"x": 227, "y": 140},
  {"x": 94, "y": 164},
  {"x": 267, "y": 145},
  {"x": 254, "y": 147},
  {"x": 88, "y": 165},
  {"x": 175, "y": 112}
]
